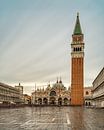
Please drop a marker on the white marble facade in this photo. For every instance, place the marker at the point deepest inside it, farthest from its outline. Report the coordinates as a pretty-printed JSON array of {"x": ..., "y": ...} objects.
[
  {"x": 57, "y": 94},
  {"x": 98, "y": 90}
]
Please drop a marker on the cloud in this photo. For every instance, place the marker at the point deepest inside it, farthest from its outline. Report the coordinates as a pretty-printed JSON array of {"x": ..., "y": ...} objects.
[{"x": 35, "y": 40}]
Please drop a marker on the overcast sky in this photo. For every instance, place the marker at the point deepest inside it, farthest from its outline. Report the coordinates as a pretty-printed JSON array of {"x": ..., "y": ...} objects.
[{"x": 35, "y": 38}]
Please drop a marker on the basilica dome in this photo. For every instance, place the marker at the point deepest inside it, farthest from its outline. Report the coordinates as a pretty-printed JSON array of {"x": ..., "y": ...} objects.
[{"x": 59, "y": 85}]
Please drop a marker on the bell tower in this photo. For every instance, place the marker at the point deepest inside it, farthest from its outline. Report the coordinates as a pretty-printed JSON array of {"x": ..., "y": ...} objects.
[{"x": 77, "y": 65}]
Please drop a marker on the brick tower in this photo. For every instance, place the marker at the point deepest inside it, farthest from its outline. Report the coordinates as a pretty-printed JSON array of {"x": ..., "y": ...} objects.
[{"x": 77, "y": 65}]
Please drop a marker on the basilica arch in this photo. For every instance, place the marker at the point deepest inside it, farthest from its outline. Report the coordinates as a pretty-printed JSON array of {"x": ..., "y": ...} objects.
[
  {"x": 52, "y": 101},
  {"x": 39, "y": 101},
  {"x": 45, "y": 101},
  {"x": 60, "y": 101},
  {"x": 66, "y": 101}
]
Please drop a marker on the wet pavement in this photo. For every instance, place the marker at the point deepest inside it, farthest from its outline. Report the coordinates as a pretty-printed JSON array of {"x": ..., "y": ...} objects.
[{"x": 52, "y": 118}]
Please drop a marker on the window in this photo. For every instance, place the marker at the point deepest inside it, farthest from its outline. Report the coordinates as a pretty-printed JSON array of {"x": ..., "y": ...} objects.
[
  {"x": 87, "y": 92},
  {"x": 52, "y": 93}
]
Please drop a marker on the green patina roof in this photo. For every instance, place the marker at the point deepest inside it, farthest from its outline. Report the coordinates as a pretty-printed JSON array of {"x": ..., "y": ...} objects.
[{"x": 77, "y": 29}]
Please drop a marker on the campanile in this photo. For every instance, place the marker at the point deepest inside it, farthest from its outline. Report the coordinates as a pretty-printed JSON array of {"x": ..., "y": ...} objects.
[{"x": 77, "y": 65}]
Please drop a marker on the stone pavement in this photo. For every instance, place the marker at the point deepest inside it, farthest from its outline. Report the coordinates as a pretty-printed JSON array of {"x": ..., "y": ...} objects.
[{"x": 52, "y": 118}]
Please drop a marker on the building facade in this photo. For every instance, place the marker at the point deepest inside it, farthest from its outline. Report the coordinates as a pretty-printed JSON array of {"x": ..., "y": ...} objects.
[
  {"x": 9, "y": 94},
  {"x": 77, "y": 65},
  {"x": 58, "y": 95},
  {"x": 88, "y": 96},
  {"x": 20, "y": 88},
  {"x": 55, "y": 95},
  {"x": 98, "y": 90}
]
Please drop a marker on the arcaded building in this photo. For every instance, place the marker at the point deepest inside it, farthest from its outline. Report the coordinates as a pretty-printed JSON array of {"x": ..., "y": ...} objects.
[
  {"x": 58, "y": 94},
  {"x": 88, "y": 96},
  {"x": 98, "y": 90},
  {"x": 9, "y": 94}
]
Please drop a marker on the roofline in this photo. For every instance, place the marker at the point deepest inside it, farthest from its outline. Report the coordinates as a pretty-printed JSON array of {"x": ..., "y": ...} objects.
[
  {"x": 8, "y": 86},
  {"x": 98, "y": 74}
]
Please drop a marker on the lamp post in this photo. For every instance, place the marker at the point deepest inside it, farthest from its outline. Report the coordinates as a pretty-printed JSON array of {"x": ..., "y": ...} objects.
[{"x": 35, "y": 94}]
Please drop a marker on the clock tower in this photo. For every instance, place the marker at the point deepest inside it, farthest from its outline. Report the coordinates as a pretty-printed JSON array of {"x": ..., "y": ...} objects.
[{"x": 77, "y": 65}]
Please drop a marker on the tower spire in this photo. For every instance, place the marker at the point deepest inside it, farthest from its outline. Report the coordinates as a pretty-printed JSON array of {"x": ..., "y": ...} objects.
[
  {"x": 57, "y": 80},
  {"x": 77, "y": 14},
  {"x": 77, "y": 29},
  {"x": 60, "y": 80}
]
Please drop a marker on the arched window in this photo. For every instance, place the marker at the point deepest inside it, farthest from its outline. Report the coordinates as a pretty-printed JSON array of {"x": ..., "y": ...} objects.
[
  {"x": 52, "y": 93},
  {"x": 86, "y": 104},
  {"x": 89, "y": 103}
]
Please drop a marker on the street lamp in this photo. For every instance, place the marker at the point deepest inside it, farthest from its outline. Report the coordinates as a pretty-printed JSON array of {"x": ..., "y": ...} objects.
[{"x": 35, "y": 94}]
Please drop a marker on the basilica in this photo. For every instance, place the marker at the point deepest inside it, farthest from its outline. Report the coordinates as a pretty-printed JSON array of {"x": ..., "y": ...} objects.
[{"x": 57, "y": 94}]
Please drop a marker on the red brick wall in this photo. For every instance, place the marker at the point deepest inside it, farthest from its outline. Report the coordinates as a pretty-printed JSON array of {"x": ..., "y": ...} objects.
[{"x": 77, "y": 82}]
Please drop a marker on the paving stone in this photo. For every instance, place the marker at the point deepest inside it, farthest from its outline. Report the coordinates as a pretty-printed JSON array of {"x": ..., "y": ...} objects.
[{"x": 52, "y": 118}]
